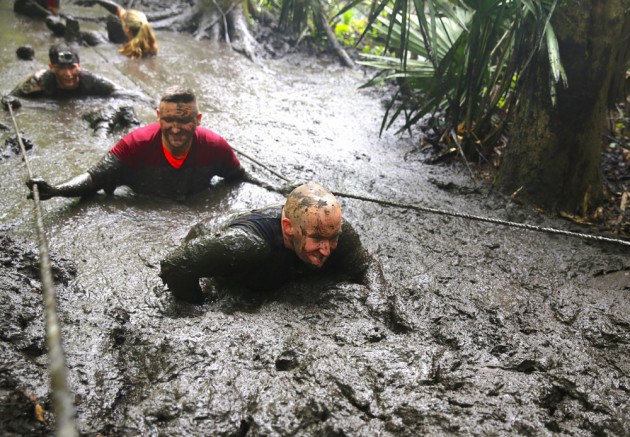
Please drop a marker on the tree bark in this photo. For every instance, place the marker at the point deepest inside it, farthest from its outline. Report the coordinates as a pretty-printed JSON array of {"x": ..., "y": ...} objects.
[
  {"x": 620, "y": 86},
  {"x": 553, "y": 158},
  {"x": 243, "y": 42}
]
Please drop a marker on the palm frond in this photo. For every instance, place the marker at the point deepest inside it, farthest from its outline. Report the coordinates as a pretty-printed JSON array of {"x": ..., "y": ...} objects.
[{"x": 463, "y": 57}]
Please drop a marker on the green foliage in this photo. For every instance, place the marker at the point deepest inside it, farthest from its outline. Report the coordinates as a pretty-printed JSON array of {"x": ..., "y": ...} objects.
[
  {"x": 460, "y": 57},
  {"x": 268, "y": 5},
  {"x": 348, "y": 16},
  {"x": 350, "y": 27},
  {"x": 377, "y": 50},
  {"x": 297, "y": 15}
]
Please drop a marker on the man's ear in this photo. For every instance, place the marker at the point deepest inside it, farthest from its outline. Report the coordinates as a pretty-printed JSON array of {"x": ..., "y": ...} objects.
[
  {"x": 287, "y": 227},
  {"x": 199, "y": 117},
  {"x": 157, "y": 111}
]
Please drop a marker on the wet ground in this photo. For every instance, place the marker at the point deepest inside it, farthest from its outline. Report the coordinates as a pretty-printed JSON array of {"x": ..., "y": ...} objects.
[{"x": 495, "y": 331}]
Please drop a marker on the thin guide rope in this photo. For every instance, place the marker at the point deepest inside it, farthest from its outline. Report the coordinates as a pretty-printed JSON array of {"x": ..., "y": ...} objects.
[
  {"x": 452, "y": 213},
  {"x": 63, "y": 406},
  {"x": 423, "y": 208}
]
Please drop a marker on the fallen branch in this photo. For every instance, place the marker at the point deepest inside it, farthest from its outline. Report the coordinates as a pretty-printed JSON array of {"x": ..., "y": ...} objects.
[{"x": 332, "y": 40}]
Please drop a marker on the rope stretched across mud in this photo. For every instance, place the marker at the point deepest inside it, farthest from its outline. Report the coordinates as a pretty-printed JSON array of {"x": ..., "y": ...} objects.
[
  {"x": 62, "y": 401},
  {"x": 452, "y": 213},
  {"x": 425, "y": 208}
]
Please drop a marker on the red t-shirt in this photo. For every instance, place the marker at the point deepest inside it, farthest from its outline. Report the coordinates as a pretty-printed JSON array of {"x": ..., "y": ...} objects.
[
  {"x": 145, "y": 168},
  {"x": 144, "y": 146},
  {"x": 175, "y": 162}
]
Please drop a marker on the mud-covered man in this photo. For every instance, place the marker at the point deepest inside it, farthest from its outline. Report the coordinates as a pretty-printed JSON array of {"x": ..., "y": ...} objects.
[
  {"x": 64, "y": 78},
  {"x": 263, "y": 249},
  {"x": 172, "y": 158}
]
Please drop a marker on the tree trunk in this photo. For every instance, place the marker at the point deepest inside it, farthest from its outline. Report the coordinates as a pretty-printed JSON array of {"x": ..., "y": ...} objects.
[
  {"x": 553, "y": 159},
  {"x": 620, "y": 86}
]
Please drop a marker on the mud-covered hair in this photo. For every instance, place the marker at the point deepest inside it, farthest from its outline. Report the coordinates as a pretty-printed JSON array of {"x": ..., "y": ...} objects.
[
  {"x": 178, "y": 94},
  {"x": 305, "y": 197}
]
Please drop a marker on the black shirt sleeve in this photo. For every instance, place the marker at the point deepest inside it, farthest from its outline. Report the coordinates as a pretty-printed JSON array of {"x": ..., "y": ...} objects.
[
  {"x": 93, "y": 85},
  {"x": 229, "y": 252},
  {"x": 33, "y": 85},
  {"x": 107, "y": 173}
]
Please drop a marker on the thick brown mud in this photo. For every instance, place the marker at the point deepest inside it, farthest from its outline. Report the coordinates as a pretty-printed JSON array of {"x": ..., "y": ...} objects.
[{"x": 481, "y": 329}]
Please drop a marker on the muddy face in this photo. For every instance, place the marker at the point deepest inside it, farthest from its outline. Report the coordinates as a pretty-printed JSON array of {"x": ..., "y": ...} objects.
[
  {"x": 67, "y": 75},
  {"x": 317, "y": 236},
  {"x": 312, "y": 223},
  {"x": 178, "y": 122}
]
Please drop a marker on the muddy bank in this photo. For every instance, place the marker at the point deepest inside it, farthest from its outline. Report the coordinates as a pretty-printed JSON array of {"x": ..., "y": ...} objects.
[
  {"x": 22, "y": 336},
  {"x": 493, "y": 330}
]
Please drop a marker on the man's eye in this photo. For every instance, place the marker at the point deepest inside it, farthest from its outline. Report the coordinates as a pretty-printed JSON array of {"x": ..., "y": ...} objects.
[{"x": 177, "y": 120}]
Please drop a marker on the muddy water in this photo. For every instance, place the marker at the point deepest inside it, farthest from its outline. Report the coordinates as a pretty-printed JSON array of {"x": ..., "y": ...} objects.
[{"x": 494, "y": 331}]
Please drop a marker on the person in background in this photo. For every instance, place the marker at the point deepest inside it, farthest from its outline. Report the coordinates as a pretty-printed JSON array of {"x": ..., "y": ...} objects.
[
  {"x": 36, "y": 8},
  {"x": 264, "y": 248},
  {"x": 172, "y": 158},
  {"x": 64, "y": 78},
  {"x": 141, "y": 40}
]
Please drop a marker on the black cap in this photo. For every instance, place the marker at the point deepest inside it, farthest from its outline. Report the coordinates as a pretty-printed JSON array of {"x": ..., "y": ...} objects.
[{"x": 61, "y": 54}]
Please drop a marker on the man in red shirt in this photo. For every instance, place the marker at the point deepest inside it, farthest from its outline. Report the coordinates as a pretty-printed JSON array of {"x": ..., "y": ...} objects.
[{"x": 172, "y": 158}]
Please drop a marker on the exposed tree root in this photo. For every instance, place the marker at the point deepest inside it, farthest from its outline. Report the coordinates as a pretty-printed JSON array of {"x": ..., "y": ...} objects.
[
  {"x": 216, "y": 20},
  {"x": 225, "y": 20}
]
